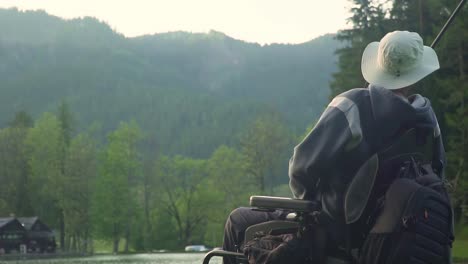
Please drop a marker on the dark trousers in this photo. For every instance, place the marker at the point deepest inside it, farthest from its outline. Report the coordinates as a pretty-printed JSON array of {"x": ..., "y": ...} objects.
[{"x": 238, "y": 221}]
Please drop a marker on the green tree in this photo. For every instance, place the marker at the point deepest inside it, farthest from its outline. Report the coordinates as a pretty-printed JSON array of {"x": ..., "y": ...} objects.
[
  {"x": 227, "y": 171},
  {"x": 14, "y": 171},
  {"x": 22, "y": 119},
  {"x": 148, "y": 187},
  {"x": 165, "y": 234},
  {"x": 66, "y": 128},
  {"x": 182, "y": 195},
  {"x": 80, "y": 173},
  {"x": 44, "y": 144},
  {"x": 266, "y": 146},
  {"x": 229, "y": 188},
  {"x": 114, "y": 194}
]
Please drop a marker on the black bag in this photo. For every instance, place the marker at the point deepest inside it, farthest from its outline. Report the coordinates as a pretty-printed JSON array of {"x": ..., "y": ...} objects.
[
  {"x": 415, "y": 224},
  {"x": 276, "y": 249}
]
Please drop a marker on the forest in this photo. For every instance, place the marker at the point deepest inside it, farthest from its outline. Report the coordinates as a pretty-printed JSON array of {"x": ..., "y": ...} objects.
[{"x": 148, "y": 143}]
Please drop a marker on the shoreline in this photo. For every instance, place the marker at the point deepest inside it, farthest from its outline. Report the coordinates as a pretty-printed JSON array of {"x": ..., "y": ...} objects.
[
  {"x": 33, "y": 256},
  {"x": 38, "y": 256},
  {"x": 27, "y": 256}
]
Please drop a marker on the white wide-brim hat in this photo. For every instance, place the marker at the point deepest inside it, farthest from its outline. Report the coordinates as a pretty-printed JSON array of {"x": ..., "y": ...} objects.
[{"x": 399, "y": 60}]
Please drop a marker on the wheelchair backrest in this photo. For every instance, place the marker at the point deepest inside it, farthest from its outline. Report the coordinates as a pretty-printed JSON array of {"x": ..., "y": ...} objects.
[{"x": 379, "y": 171}]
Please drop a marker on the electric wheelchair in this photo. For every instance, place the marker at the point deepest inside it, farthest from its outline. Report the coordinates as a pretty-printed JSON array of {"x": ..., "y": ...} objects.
[{"x": 306, "y": 219}]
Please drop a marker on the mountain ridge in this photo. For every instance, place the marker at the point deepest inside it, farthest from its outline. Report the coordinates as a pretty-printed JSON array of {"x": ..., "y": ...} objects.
[
  {"x": 8, "y": 18},
  {"x": 159, "y": 79}
]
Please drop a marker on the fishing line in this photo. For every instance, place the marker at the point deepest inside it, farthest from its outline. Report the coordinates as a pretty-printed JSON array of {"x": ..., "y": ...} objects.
[{"x": 447, "y": 24}]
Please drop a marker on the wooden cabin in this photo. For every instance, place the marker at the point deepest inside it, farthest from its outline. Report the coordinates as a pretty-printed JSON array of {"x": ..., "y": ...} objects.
[
  {"x": 39, "y": 237},
  {"x": 12, "y": 235}
]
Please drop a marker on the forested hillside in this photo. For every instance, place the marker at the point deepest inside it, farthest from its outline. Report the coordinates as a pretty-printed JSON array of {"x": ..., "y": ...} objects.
[
  {"x": 151, "y": 139},
  {"x": 190, "y": 92}
]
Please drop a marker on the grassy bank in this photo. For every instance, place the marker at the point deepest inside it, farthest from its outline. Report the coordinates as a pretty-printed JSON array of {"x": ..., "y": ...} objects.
[
  {"x": 460, "y": 246},
  {"x": 460, "y": 251}
]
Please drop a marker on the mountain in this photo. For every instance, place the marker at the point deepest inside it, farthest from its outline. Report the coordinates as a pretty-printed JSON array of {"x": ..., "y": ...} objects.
[{"x": 190, "y": 92}]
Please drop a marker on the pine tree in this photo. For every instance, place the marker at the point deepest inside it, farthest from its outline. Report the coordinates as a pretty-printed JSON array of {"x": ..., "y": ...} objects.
[{"x": 369, "y": 24}]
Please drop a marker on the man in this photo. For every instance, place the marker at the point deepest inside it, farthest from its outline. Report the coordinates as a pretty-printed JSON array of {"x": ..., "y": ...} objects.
[{"x": 354, "y": 127}]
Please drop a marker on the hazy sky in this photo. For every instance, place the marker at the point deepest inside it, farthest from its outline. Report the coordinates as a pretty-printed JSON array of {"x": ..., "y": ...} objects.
[{"x": 263, "y": 21}]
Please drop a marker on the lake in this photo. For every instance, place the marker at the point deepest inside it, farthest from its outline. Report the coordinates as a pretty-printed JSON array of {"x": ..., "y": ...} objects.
[{"x": 165, "y": 258}]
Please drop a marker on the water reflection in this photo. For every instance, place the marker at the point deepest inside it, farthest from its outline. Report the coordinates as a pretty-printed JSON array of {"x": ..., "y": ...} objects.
[{"x": 166, "y": 258}]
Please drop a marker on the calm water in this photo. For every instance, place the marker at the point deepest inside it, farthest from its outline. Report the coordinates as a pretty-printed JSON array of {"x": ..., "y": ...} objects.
[{"x": 166, "y": 258}]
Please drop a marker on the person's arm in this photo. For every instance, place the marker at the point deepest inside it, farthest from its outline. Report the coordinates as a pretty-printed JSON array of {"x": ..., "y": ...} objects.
[
  {"x": 338, "y": 130},
  {"x": 438, "y": 153}
]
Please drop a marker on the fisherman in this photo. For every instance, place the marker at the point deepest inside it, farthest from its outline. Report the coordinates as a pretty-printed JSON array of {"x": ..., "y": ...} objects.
[{"x": 354, "y": 126}]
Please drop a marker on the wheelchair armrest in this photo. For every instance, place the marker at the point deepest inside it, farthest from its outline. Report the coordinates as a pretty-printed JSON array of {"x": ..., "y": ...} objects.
[{"x": 271, "y": 202}]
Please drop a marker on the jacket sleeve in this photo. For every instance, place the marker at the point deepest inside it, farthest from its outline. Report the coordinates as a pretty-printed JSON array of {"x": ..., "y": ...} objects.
[
  {"x": 439, "y": 160},
  {"x": 322, "y": 149}
]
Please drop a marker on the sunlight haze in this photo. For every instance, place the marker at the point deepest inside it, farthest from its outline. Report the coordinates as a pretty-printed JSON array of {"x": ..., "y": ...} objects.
[{"x": 259, "y": 21}]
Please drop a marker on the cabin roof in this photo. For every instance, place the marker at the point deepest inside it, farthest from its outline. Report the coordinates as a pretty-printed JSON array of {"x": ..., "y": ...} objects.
[
  {"x": 10, "y": 224},
  {"x": 5, "y": 220},
  {"x": 28, "y": 222},
  {"x": 34, "y": 224}
]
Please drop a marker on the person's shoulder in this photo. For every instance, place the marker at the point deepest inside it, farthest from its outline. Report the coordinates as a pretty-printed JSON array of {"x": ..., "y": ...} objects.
[{"x": 356, "y": 95}]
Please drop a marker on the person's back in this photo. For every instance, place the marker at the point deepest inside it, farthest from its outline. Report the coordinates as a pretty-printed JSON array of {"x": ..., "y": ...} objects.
[
  {"x": 359, "y": 123},
  {"x": 355, "y": 126}
]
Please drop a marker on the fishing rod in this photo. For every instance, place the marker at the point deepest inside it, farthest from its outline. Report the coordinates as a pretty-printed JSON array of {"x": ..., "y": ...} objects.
[{"x": 447, "y": 24}]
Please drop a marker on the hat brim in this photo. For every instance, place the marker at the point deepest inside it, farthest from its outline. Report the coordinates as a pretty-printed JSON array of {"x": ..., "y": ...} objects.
[{"x": 374, "y": 74}]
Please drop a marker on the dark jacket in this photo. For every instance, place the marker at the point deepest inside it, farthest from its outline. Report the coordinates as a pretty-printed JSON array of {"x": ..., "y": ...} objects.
[{"x": 353, "y": 128}]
